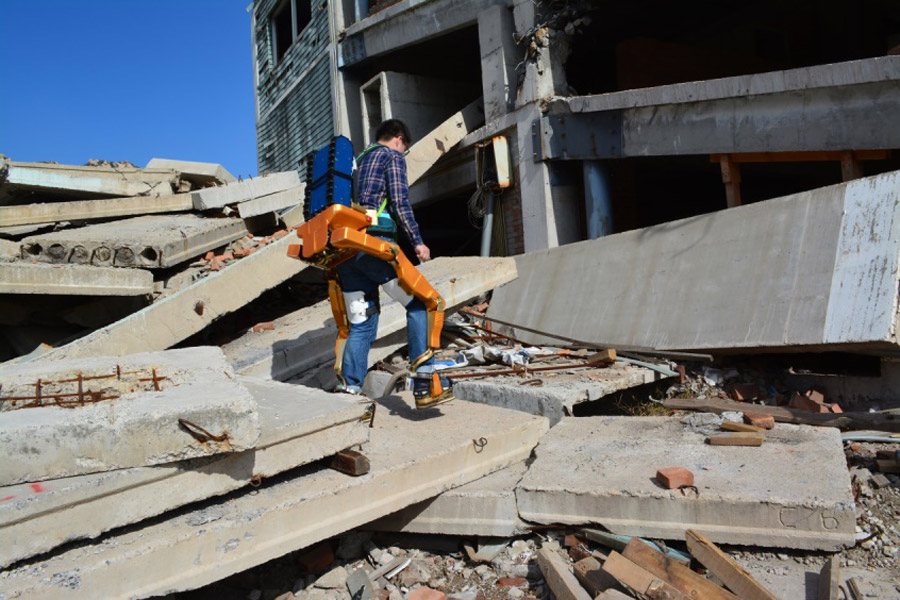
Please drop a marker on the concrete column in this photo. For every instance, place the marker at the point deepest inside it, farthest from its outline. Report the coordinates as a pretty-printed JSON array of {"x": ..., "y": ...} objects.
[
  {"x": 499, "y": 57},
  {"x": 597, "y": 199}
]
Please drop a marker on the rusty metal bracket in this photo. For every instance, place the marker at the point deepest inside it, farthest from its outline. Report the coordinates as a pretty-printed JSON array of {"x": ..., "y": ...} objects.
[
  {"x": 479, "y": 444},
  {"x": 200, "y": 434}
]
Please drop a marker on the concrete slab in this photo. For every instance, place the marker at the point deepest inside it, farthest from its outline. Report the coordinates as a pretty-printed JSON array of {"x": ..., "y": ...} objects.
[
  {"x": 241, "y": 191},
  {"x": 219, "y": 538},
  {"x": 305, "y": 338},
  {"x": 103, "y": 413},
  {"x": 298, "y": 425},
  {"x": 24, "y": 179},
  {"x": 559, "y": 392},
  {"x": 807, "y": 278},
  {"x": 150, "y": 242},
  {"x": 73, "y": 280},
  {"x": 86, "y": 210},
  {"x": 486, "y": 507},
  {"x": 198, "y": 173},
  {"x": 793, "y": 491},
  {"x": 272, "y": 202},
  {"x": 425, "y": 152},
  {"x": 182, "y": 314}
]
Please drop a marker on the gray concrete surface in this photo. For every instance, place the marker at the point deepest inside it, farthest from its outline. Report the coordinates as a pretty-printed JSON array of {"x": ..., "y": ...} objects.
[
  {"x": 241, "y": 191},
  {"x": 427, "y": 150},
  {"x": 182, "y": 314},
  {"x": 219, "y": 538},
  {"x": 791, "y": 492},
  {"x": 298, "y": 425},
  {"x": 86, "y": 210},
  {"x": 559, "y": 391},
  {"x": 791, "y": 272},
  {"x": 305, "y": 338},
  {"x": 198, "y": 173},
  {"x": 73, "y": 280},
  {"x": 486, "y": 507},
  {"x": 149, "y": 242},
  {"x": 272, "y": 202},
  {"x": 25, "y": 178},
  {"x": 134, "y": 424}
]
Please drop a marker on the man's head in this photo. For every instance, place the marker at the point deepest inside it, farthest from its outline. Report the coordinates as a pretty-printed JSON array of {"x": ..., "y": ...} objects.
[{"x": 393, "y": 133}]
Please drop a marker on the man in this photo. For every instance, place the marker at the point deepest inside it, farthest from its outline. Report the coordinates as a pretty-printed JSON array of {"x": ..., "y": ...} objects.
[{"x": 382, "y": 187}]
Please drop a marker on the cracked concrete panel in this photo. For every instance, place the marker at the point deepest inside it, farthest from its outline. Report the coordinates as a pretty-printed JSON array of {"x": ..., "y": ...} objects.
[{"x": 97, "y": 414}]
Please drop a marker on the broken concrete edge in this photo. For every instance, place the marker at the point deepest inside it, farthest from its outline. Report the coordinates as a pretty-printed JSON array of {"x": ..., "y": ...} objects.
[
  {"x": 73, "y": 280},
  {"x": 242, "y": 191},
  {"x": 200, "y": 171},
  {"x": 297, "y": 427}
]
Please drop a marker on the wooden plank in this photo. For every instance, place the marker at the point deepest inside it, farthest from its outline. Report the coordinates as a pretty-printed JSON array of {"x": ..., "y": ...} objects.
[
  {"x": 734, "y": 426},
  {"x": 592, "y": 577},
  {"x": 639, "y": 579},
  {"x": 674, "y": 573},
  {"x": 741, "y": 438},
  {"x": 883, "y": 421},
  {"x": 731, "y": 177},
  {"x": 830, "y": 580},
  {"x": 350, "y": 462},
  {"x": 887, "y": 466},
  {"x": 720, "y": 564},
  {"x": 851, "y": 167},
  {"x": 606, "y": 356},
  {"x": 562, "y": 583}
]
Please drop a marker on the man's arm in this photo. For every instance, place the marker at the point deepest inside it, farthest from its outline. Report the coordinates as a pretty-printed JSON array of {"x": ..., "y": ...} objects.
[{"x": 398, "y": 191}]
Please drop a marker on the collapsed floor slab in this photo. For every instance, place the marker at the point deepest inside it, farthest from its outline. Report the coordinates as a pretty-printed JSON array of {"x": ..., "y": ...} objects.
[
  {"x": 271, "y": 203},
  {"x": 103, "y": 413},
  {"x": 414, "y": 455},
  {"x": 198, "y": 173},
  {"x": 86, "y": 210},
  {"x": 242, "y": 191},
  {"x": 73, "y": 280},
  {"x": 176, "y": 317},
  {"x": 557, "y": 394},
  {"x": 24, "y": 179},
  {"x": 793, "y": 491},
  {"x": 486, "y": 507},
  {"x": 305, "y": 338},
  {"x": 806, "y": 278},
  {"x": 149, "y": 242},
  {"x": 298, "y": 425}
]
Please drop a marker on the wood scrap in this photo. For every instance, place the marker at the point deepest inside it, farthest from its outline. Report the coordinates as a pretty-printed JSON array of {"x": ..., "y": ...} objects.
[
  {"x": 674, "y": 573},
  {"x": 639, "y": 579},
  {"x": 590, "y": 574},
  {"x": 830, "y": 580},
  {"x": 734, "y": 426},
  {"x": 741, "y": 438},
  {"x": 722, "y": 566},
  {"x": 562, "y": 583}
]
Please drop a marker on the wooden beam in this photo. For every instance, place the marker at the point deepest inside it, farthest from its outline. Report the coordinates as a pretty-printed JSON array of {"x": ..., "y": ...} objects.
[
  {"x": 830, "y": 580},
  {"x": 883, "y": 421},
  {"x": 851, "y": 167},
  {"x": 813, "y": 156},
  {"x": 674, "y": 573},
  {"x": 592, "y": 577},
  {"x": 720, "y": 564},
  {"x": 562, "y": 583},
  {"x": 731, "y": 177},
  {"x": 639, "y": 579}
]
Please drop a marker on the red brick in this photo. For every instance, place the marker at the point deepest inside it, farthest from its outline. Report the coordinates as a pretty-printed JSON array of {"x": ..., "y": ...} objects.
[
  {"x": 264, "y": 326},
  {"x": 315, "y": 559},
  {"x": 511, "y": 582},
  {"x": 426, "y": 593},
  {"x": 209, "y": 256},
  {"x": 572, "y": 541},
  {"x": 682, "y": 373},
  {"x": 759, "y": 420},
  {"x": 815, "y": 395},
  {"x": 243, "y": 252},
  {"x": 835, "y": 408},
  {"x": 743, "y": 392},
  {"x": 801, "y": 402},
  {"x": 279, "y": 234},
  {"x": 215, "y": 265},
  {"x": 855, "y": 447},
  {"x": 578, "y": 553},
  {"x": 674, "y": 477}
]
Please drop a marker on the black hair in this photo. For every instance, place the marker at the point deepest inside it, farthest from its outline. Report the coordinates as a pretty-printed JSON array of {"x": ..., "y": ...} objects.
[{"x": 393, "y": 128}]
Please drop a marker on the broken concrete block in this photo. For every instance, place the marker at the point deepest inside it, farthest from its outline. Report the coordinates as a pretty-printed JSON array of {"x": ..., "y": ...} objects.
[
  {"x": 182, "y": 314},
  {"x": 272, "y": 202},
  {"x": 793, "y": 492},
  {"x": 99, "y": 414},
  {"x": 87, "y": 210},
  {"x": 149, "y": 242},
  {"x": 298, "y": 425},
  {"x": 674, "y": 477},
  {"x": 305, "y": 338},
  {"x": 25, "y": 179},
  {"x": 486, "y": 507},
  {"x": 198, "y": 173},
  {"x": 221, "y": 537},
  {"x": 73, "y": 280},
  {"x": 242, "y": 191}
]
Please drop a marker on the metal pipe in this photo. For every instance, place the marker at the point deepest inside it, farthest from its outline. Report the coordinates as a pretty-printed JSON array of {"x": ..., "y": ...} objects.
[{"x": 487, "y": 227}]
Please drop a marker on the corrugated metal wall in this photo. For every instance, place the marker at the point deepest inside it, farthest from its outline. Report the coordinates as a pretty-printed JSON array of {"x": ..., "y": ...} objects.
[{"x": 295, "y": 96}]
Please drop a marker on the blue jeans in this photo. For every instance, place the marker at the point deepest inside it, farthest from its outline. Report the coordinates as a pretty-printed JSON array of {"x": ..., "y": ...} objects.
[{"x": 364, "y": 273}]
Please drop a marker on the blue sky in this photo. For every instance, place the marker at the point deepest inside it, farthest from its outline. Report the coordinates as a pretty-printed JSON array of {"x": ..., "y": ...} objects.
[{"x": 127, "y": 80}]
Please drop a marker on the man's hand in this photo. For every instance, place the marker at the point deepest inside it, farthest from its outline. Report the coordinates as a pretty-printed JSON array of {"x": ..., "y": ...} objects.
[{"x": 423, "y": 252}]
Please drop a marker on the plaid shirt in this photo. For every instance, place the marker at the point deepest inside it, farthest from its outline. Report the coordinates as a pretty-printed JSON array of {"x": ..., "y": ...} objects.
[{"x": 382, "y": 168}]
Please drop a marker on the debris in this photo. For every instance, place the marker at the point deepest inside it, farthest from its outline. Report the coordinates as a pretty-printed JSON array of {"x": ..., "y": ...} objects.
[
  {"x": 674, "y": 573},
  {"x": 640, "y": 580},
  {"x": 741, "y": 438},
  {"x": 562, "y": 583},
  {"x": 674, "y": 477},
  {"x": 722, "y": 566},
  {"x": 733, "y": 426}
]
